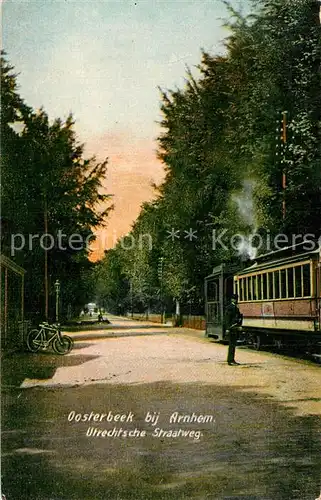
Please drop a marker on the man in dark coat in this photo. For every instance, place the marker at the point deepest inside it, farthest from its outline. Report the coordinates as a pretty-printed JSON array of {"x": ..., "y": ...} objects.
[{"x": 233, "y": 320}]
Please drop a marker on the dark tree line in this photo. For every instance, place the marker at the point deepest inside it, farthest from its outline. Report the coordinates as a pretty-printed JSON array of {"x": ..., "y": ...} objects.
[
  {"x": 220, "y": 135},
  {"x": 47, "y": 188}
]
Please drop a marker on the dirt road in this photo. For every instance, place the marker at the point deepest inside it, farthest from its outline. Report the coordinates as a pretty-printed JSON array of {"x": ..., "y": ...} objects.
[{"x": 156, "y": 413}]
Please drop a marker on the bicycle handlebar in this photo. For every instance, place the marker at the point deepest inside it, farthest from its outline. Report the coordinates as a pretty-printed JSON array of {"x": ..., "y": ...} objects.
[{"x": 45, "y": 324}]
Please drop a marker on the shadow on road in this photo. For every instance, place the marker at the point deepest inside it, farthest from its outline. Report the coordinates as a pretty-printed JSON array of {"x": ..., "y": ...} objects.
[
  {"x": 286, "y": 351},
  {"x": 92, "y": 335},
  {"x": 16, "y": 368},
  {"x": 101, "y": 326},
  {"x": 255, "y": 449},
  {"x": 81, "y": 345}
]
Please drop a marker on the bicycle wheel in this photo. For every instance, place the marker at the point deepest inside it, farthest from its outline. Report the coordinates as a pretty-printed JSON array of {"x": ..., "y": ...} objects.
[
  {"x": 34, "y": 340},
  {"x": 62, "y": 345}
]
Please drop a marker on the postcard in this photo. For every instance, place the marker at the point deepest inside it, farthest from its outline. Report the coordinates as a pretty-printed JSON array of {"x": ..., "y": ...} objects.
[{"x": 160, "y": 250}]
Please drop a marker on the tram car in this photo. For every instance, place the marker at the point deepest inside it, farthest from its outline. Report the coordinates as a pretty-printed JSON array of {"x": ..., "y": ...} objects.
[{"x": 279, "y": 296}]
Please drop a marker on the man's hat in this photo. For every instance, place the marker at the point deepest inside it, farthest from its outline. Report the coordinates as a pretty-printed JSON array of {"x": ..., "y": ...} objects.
[{"x": 234, "y": 296}]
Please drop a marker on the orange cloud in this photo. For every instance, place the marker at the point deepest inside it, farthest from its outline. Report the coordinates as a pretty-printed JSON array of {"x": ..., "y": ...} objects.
[{"x": 133, "y": 167}]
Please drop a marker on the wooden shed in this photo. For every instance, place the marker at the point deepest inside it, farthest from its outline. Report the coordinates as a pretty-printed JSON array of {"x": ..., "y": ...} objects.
[{"x": 12, "y": 303}]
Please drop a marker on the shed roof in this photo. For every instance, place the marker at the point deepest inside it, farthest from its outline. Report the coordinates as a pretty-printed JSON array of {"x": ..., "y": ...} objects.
[{"x": 10, "y": 264}]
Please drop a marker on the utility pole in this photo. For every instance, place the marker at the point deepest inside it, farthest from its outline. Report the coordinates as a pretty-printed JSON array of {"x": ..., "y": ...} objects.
[
  {"x": 131, "y": 298},
  {"x": 160, "y": 277},
  {"x": 42, "y": 147},
  {"x": 281, "y": 140},
  {"x": 57, "y": 289},
  {"x": 132, "y": 289},
  {"x": 284, "y": 139},
  {"x": 46, "y": 260}
]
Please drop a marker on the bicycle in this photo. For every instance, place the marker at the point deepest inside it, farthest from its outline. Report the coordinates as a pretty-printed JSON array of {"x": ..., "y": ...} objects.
[{"x": 49, "y": 335}]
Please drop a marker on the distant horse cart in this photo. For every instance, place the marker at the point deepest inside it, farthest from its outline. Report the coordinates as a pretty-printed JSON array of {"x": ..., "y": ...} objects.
[{"x": 279, "y": 297}]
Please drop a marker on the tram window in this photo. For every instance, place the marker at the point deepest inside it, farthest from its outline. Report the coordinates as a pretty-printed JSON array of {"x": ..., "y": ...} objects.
[
  {"x": 254, "y": 287},
  {"x": 290, "y": 282},
  {"x": 298, "y": 284},
  {"x": 244, "y": 288},
  {"x": 306, "y": 280},
  {"x": 238, "y": 288},
  {"x": 212, "y": 291},
  {"x": 249, "y": 280},
  {"x": 283, "y": 283},
  {"x": 277, "y": 284},
  {"x": 264, "y": 280},
  {"x": 270, "y": 285},
  {"x": 259, "y": 288}
]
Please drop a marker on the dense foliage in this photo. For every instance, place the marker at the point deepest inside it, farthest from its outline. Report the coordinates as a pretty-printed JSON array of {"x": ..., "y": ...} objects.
[
  {"x": 47, "y": 188},
  {"x": 224, "y": 159}
]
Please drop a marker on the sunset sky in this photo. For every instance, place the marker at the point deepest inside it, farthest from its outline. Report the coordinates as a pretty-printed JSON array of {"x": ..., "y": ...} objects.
[{"x": 104, "y": 60}]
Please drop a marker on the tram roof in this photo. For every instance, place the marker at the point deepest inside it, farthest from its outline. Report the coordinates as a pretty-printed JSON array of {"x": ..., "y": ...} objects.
[
  {"x": 224, "y": 268},
  {"x": 292, "y": 249},
  {"x": 289, "y": 254},
  {"x": 283, "y": 256}
]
